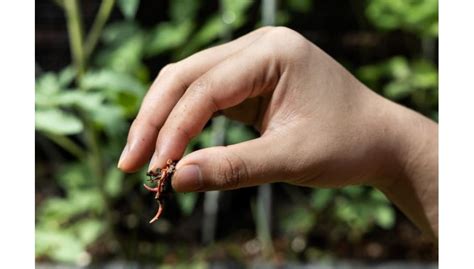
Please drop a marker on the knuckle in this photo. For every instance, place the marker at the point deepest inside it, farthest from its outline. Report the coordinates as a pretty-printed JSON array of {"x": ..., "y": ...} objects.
[
  {"x": 201, "y": 90},
  {"x": 168, "y": 69},
  {"x": 232, "y": 172},
  {"x": 288, "y": 42},
  {"x": 173, "y": 73},
  {"x": 200, "y": 86},
  {"x": 265, "y": 29}
]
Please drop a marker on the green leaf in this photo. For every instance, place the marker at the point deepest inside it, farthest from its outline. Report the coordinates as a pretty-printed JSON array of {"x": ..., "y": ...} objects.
[
  {"x": 299, "y": 220},
  {"x": 237, "y": 133},
  {"x": 113, "y": 182},
  {"x": 384, "y": 216},
  {"x": 397, "y": 90},
  {"x": 125, "y": 55},
  {"x": 398, "y": 67},
  {"x": 59, "y": 244},
  {"x": 378, "y": 197},
  {"x": 234, "y": 11},
  {"x": 186, "y": 202},
  {"x": 320, "y": 198},
  {"x": 110, "y": 80},
  {"x": 66, "y": 76},
  {"x": 353, "y": 191},
  {"x": 88, "y": 101},
  {"x": 128, "y": 8},
  {"x": 50, "y": 84},
  {"x": 89, "y": 230},
  {"x": 56, "y": 211},
  {"x": 183, "y": 10},
  {"x": 57, "y": 121},
  {"x": 74, "y": 176},
  {"x": 109, "y": 117},
  {"x": 208, "y": 33},
  {"x": 425, "y": 75},
  {"x": 47, "y": 84},
  {"x": 205, "y": 138},
  {"x": 116, "y": 33},
  {"x": 88, "y": 200},
  {"x": 348, "y": 212},
  {"x": 69, "y": 98},
  {"x": 168, "y": 36},
  {"x": 418, "y": 16}
]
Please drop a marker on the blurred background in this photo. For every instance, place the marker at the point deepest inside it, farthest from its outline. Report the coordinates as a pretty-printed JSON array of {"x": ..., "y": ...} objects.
[{"x": 96, "y": 59}]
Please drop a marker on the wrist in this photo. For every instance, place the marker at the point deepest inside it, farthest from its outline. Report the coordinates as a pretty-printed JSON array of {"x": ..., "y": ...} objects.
[{"x": 411, "y": 178}]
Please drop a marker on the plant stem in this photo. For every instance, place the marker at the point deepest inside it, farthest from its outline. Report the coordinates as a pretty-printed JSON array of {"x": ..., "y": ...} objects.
[
  {"x": 96, "y": 166},
  {"x": 74, "y": 24},
  {"x": 102, "y": 16},
  {"x": 60, "y": 3},
  {"x": 264, "y": 196},
  {"x": 75, "y": 29},
  {"x": 67, "y": 144}
]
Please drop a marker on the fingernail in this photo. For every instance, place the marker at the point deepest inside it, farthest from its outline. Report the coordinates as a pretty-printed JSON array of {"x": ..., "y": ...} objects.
[
  {"x": 122, "y": 156},
  {"x": 188, "y": 178}
]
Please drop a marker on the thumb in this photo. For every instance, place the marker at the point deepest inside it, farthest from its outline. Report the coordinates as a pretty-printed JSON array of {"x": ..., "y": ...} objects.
[{"x": 222, "y": 168}]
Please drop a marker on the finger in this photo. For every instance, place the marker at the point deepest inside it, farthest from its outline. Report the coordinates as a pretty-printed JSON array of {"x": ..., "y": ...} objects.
[
  {"x": 241, "y": 76},
  {"x": 165, "y": 92},
  {"x": 246, "y": 164}
]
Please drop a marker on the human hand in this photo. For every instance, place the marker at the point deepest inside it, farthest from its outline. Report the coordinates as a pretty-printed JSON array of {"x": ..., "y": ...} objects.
[{"x": 319, "y": 126}]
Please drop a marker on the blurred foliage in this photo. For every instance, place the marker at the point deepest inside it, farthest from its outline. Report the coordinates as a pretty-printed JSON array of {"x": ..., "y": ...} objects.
[
  {"x": 401, "y": 79},
  {"x": 417, "y": 16},
  {"x": 350, "y": 211},
  {"x": 87, "y": 115}
]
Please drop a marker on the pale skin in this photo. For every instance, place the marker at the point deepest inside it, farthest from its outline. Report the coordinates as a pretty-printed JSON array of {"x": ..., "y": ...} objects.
[{"x": 319, "y": 126}]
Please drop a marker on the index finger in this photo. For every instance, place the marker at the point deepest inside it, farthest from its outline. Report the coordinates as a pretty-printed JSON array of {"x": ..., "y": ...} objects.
[
  {"x": 165, "y": 92},
  {"x": 243, "y": 75}
]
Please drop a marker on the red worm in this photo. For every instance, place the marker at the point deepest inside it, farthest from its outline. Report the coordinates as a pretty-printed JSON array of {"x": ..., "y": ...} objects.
[{"x": 161, "y": 176}]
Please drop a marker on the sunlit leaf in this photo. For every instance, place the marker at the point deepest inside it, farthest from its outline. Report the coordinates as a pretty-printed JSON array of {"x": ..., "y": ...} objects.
[
  {"x": 56, "y": 211},
  {"x": 84, "y": 100},
  {"x": 60, "y": 245},
  {"x": 419, "y": 16},
  {"x": 90, "y": 200},
  {"x": 384, "y": 216},
  {"x": 57, "y": 121},
  {"x": 398, "y": 67},
  {"x": 397, "y": 90},
  {"x": 89, "y": 230},
  {"x": 128, "y": 8},
  {"x": 47, "y": 84},
  {"x": 113, "y": 81}
]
